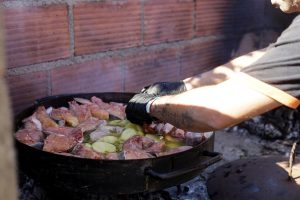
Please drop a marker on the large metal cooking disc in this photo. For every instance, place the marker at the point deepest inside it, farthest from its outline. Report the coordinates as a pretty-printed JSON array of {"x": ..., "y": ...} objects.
[
  {"x": 74, "y": 176},
  {"x": 259, "y": 178}
]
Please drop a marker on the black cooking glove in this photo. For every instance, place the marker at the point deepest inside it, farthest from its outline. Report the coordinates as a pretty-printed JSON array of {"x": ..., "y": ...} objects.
[
  {"x": 165, "y": 88},
  {"x": 136, "y": 108}
]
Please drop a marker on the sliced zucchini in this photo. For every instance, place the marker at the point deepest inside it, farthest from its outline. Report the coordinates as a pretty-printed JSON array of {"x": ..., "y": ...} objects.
[
  {"x": 118, "y": 122},
  {"x": 104, "y": 147},
  {"x": 140, "y": 133},
  {"x": 115, "y": 122},
  {"x": 128, "y": 133},
  {"x": 171, "y": 145},
  {"x": 134, "y": 126},
  {"x": 154, "y": 137},
  {"x": 171, "y": 139},
  {"x": 109, "y": 139}
]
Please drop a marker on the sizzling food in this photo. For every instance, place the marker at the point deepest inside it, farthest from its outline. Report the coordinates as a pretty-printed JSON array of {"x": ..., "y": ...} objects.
[{"x": 95, "y": 129}]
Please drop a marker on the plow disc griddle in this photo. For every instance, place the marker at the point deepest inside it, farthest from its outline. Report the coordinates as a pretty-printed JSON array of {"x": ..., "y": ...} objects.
[{"x": 80, "y": 175}]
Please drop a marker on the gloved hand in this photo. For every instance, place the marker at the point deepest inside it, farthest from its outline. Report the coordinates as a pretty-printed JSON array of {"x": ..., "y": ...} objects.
[
  {"x": 165, "y": 88},
  {"x": 136, "y": 110}
]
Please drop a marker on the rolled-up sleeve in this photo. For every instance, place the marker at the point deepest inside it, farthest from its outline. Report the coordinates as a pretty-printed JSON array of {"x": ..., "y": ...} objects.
[{"x": 279, "y": 68}]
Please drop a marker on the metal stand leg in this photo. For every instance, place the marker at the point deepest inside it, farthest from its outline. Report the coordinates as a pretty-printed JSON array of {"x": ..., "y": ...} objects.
[{"x": 292, "y": 160}]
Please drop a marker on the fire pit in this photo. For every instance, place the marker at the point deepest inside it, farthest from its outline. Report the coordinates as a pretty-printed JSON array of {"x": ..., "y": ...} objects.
[{"x": 194, "y": 189}]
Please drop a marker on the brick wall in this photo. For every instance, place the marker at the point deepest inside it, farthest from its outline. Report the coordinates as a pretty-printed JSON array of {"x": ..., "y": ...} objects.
[{"x": 67, "y": 46}]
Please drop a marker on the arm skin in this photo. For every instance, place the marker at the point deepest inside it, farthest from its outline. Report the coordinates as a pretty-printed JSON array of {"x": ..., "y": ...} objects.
[
  {"x": 213, "y": 107},
  {"x": 223, "y": 72},
  {"x": 214, "y": 100}
]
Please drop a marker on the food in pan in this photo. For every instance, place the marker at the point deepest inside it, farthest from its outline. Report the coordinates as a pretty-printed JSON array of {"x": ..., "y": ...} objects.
[{"x": 92, "y": 128}]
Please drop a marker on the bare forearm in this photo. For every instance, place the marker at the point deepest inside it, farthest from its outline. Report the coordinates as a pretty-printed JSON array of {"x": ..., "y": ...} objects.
[
  {"x": 187, "y": 117},
  {"x": 223, "y": 72},
  {"x": 212, "y": 107}
]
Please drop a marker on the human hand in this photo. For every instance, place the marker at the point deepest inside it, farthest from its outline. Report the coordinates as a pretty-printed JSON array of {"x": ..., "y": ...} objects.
[
  {"x": 165, "y": 88},
  {"x": 137, "y": 109}
]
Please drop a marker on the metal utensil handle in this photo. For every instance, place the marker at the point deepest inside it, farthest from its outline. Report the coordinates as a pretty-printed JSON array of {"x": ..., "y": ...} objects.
[{"x": 164, "y": 176}]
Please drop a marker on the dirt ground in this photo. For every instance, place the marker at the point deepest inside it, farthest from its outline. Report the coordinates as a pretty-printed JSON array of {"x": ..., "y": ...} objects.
[{"x": 235, "y": 143}]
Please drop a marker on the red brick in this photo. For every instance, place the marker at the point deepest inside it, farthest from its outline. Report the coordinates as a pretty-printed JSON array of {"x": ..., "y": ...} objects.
[
  {"x": 36, "y": 34},
  {"x": 199, "y": 57},
  {"x": 24, "y": 89},
  {"x": 213, "y": 17},
  {"x": 104, "y": 75},
  {"x": 107, "y": 25},
  {"x": 168, "y": 20},
  {"x": 149, "y": 66}
]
